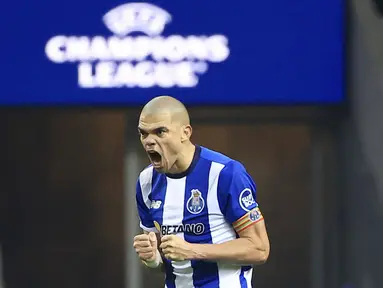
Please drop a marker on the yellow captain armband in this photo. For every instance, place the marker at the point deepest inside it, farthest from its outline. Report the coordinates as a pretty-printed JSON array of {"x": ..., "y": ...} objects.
[{"x": 247, "y": 220}]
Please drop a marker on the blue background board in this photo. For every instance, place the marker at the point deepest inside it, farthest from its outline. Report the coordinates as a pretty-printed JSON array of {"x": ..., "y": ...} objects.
[{"x": 281, "y": 52}]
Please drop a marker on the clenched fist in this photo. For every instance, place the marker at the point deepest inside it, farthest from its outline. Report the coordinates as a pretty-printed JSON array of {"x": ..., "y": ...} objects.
[
  {"x": 176, "y": 249},
  {"x": 146, "y": 246}
]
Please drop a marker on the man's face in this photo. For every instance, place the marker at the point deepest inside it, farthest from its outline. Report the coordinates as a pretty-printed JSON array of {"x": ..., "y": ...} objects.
[{"x": 161, "y": 139}]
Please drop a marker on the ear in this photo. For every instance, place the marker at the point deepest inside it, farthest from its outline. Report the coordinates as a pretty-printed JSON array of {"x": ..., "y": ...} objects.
[{"x": 186, "y": 133}]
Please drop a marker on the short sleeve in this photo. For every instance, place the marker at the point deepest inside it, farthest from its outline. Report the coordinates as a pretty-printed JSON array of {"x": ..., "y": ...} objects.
[
  {"x": 237, "y": 195},
  {"x": 143, "y": 207}
]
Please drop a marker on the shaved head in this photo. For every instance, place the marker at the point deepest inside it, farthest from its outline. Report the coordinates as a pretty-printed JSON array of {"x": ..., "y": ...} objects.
[
  {"x": 165, "y": 131},
  {"x": 167, "y": 105}
]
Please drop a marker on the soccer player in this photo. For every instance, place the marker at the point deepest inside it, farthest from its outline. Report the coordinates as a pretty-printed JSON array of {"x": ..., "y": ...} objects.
[{"x": 197, "y": 207}]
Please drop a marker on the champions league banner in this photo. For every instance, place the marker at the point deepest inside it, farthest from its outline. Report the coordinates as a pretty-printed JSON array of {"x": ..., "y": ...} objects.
[{"x": 120, "y": 53}]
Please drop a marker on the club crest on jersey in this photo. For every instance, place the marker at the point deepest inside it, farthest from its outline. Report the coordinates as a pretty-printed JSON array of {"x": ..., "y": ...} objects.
[
  {"x": 246, "y": 199},
  {"x": 195, "y": 203}
]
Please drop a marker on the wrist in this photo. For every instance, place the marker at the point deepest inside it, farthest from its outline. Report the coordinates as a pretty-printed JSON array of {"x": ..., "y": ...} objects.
[
  {"x": 197, "y": 252},
  {"x": 154, "y": 263}
]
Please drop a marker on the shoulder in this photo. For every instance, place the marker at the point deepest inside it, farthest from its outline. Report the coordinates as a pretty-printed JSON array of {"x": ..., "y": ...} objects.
[
  {"x": 145, "y": 177},
  {"x": 233, "y": 168},
  {"x": 214, "y": 156},
  {"x": 230, "y": 167}
]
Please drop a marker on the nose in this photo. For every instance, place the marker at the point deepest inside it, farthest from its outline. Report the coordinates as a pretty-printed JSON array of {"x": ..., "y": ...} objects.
[{"x": 149, "y": 142}]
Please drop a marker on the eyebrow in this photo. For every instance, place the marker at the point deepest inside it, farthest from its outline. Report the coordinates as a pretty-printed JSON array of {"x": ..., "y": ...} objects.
[{"x": 154, "y": 129}]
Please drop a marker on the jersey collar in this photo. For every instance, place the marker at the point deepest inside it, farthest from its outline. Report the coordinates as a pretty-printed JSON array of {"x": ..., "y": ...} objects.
[{"x": 196, "y": 157}]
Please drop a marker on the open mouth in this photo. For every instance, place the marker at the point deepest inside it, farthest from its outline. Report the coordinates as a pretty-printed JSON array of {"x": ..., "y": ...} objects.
[{"x": 155, "y": 157}]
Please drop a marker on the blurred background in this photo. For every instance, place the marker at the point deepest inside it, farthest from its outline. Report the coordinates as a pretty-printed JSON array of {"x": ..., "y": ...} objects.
[{"x": 298, "y": 103}]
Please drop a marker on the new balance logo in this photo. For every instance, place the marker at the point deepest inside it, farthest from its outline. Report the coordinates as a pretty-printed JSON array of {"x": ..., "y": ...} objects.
[
  {"x": 155, "y": 204},
  {"x": 137, "y": 17}
]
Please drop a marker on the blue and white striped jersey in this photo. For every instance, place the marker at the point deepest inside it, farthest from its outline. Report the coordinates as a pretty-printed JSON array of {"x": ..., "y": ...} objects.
[{"x": 209, "y": 203}]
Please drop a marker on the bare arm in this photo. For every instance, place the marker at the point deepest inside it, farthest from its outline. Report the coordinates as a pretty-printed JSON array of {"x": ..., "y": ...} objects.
[{"x": 252, "y": 247}]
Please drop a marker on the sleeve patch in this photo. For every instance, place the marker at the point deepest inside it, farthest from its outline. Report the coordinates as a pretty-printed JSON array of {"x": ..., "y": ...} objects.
[
  {"x": 246, "y": 199},
  {"x": 248, "y": 219}
]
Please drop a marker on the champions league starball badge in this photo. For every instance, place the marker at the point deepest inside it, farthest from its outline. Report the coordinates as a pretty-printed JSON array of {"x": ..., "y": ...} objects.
[{"x": 137, "y": 55}]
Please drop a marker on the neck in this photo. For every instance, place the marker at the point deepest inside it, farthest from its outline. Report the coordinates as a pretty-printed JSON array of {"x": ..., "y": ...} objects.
[{"x": 184, "y": 159}]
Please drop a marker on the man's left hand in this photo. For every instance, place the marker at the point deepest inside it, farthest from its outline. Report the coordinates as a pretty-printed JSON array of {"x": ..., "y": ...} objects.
[{"x": 175, "y": 248}]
